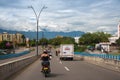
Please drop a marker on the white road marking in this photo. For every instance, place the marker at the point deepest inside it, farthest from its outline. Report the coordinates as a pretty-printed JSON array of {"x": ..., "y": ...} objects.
[
  {"x": 67, "y": 68},
  {"x": 60, "y": 62}
]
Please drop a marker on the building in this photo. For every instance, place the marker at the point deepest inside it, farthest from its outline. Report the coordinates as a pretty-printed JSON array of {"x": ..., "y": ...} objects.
[
  {"x": 0, "y": 37},
  {"x": 5, "y": 36},
  {"x": 105, "y": 46},
  {"x": 27, "y": 42},
  {"x": 114, "y": 38},
  {"x": 19, "y": 38},
  {"x": 15, "y": 38},
  {"x": 119, "y": 30},
  {"x": 59, "y": 36},
  {"x": 76, "y": 39}
]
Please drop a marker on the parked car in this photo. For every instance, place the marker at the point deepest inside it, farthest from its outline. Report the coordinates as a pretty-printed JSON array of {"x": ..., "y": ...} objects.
[
  {"x": 91, "y": 48},
  {"x": 3, "y": 52}
]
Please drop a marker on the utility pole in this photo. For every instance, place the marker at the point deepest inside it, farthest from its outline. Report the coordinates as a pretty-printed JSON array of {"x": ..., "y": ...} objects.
[{"x": 37, "y": 22}]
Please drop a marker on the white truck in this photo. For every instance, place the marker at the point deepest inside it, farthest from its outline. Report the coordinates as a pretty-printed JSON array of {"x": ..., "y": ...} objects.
[{"x": 66, "y": 51}]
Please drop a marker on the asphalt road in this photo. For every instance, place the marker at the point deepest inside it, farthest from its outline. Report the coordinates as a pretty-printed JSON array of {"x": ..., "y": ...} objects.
[{"x": 66, "y": 70}]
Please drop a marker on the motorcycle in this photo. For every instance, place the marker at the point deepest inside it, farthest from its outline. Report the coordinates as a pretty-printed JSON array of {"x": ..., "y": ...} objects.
[{"x": 46, "y": 69}]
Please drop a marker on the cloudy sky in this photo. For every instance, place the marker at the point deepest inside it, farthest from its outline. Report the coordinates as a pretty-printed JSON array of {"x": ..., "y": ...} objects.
[{"x": 61, "y": 15}]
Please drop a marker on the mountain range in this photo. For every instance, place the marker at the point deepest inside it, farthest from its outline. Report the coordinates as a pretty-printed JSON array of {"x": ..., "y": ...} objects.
[{"x": 45, "y": 34}]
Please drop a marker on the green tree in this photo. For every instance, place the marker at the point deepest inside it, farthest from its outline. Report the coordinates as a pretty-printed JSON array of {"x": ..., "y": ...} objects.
[
  {"x": 67, "y": 40},
  {"x": 3, "y": 45},
  {"x": 32, "y": 42},
  {"x": 102, "y": 37},
  {"x": 61, "y": 40},
  {"x": 93, "y": 38},
  {"x": 24, "y": 38},
  {"x": 55, "y": 41},
  {"x": 43, "y": 41}
]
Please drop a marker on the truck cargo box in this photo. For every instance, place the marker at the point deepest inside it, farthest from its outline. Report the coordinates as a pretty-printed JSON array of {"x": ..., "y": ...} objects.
[{"x": 66, "y": 51}]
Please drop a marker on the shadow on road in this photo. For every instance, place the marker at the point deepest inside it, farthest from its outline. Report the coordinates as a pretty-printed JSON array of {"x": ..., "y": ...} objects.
[
  {"x": 74, "y": 60},
  {"x": 54, "y": 75}
]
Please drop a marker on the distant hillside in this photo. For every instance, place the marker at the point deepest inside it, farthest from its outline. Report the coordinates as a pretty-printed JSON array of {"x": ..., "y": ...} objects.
[{"x": 46, "y": 34}]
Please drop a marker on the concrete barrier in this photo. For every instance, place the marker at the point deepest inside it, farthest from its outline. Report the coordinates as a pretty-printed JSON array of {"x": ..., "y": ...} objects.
[
  {"x": 7, "y": 69},
  {"x": 106, "y": 63}
]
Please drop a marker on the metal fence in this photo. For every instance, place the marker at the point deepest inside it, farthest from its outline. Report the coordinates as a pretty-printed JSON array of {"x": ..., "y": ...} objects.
[
  {"x": 105, "y": 56},
  {"x": 14, "y": 55}
]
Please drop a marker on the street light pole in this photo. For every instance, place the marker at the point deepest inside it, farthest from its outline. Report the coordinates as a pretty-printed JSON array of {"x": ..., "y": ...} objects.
[{"x": 37, "y": 22}]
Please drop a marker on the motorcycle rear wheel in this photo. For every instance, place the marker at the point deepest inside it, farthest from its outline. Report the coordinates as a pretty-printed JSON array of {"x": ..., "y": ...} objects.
[{"x": 45, "y": 75}]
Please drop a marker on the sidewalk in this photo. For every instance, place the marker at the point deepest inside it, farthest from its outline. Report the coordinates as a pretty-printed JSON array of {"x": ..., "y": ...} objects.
[
  {"x": 94, "y": 52},
  {"x": 21, "y": 49}
]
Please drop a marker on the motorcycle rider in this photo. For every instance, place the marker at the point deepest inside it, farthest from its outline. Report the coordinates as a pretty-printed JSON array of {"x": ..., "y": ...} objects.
[{"x": 45, "y": 59}]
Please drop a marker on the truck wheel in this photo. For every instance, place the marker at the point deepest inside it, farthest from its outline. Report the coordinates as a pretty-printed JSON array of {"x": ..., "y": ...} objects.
[
  {"x": 60, "y": 58},
  {"x": 71, "y": 58}
]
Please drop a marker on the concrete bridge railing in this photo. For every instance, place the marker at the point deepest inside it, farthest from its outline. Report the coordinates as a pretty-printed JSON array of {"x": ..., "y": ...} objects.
[{"x": 7, "y": 69}]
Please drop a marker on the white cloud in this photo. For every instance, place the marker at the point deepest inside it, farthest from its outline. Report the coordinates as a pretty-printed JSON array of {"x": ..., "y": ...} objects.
[
  {"x": 61, "y": 15},
  {"x": 66, "y": 11},
  {"x": 101, "y": 3}
]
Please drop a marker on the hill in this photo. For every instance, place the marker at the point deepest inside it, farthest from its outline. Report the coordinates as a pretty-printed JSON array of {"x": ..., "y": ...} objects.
[{"x": 46, "y": 34}]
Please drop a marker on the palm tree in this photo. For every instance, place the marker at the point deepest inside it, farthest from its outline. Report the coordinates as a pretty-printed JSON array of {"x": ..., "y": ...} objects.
[{"x": 23, "y": 37}]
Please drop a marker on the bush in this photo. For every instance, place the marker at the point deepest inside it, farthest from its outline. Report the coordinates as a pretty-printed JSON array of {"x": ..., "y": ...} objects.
[{"x": 79, "y": 48}]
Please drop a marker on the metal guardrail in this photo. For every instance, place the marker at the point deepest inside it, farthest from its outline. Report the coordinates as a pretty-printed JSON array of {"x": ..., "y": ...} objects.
[
  {"x": 14, "y": 55},
  {"x": 105, "y": 56},
  {"x": 108, "y": 61}
]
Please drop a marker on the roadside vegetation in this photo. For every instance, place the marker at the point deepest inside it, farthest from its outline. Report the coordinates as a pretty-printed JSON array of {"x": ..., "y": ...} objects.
[
  {"x": 87, "y": 40},
  {"x": 94, "y": 38}
]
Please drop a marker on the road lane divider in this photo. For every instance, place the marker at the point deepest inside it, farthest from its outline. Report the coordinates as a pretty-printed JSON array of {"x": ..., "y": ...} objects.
[
  {"x": 60, "y": 62},
  {"x": 67, "y": 68}
]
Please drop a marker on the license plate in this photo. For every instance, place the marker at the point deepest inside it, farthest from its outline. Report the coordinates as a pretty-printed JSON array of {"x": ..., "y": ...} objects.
[{"x": 45, "y": 68}]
